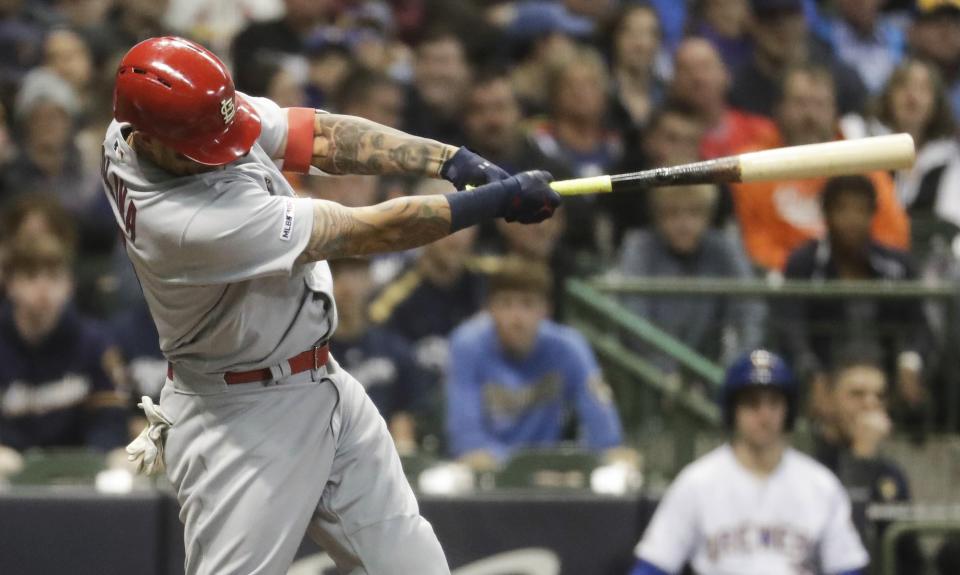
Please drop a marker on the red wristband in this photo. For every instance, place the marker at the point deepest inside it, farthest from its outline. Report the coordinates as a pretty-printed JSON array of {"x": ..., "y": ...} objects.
[{"x": 299, "y": 150}]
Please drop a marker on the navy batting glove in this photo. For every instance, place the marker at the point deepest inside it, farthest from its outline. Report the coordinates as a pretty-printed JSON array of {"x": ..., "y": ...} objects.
[
  {"x": 526, "y": 198},
  {"x": 466, "y": 168},
  {"x": 532, "y": 200}
]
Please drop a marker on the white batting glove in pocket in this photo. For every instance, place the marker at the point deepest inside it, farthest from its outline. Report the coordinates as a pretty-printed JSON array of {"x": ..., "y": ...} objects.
[{"x": 147, "y": 449}]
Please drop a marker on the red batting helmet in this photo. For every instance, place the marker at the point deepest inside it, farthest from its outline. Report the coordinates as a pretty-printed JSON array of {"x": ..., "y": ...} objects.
[{"x": 181, "y": 93}]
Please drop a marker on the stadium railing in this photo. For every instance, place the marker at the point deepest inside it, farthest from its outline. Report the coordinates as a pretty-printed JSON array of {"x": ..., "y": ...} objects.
[{"x": 657, "y": 406}]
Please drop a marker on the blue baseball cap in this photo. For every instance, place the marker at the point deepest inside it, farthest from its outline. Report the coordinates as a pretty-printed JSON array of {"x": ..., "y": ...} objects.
[{"x": 535, "y": 19}]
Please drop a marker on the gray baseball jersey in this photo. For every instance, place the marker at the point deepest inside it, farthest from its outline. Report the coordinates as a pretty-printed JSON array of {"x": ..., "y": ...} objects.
[
  {"x": 215, "y": 254},
  {"x": 257, "y": 465}
]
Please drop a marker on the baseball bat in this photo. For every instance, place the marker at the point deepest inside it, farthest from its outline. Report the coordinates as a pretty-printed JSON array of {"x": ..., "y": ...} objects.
[{"x": 793, "y": 162}]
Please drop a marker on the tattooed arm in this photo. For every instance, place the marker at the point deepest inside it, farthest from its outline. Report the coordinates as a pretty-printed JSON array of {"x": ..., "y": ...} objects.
[
  {"x": 353, "y": 145},
  {"x": 399, "y": 224},
  {"x": 404, "y": 223}
]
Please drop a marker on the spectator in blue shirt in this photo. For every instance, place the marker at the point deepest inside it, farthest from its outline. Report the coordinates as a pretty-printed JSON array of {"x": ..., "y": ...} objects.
[
  {"x": 515, "y": 375},
  {"x": 866, "y": 41},
  {"x": 57, "y": 369}
]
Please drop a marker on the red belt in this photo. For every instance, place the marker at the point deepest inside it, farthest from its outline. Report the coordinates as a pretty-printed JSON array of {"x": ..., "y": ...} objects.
[{"x": 314, "y": 358}]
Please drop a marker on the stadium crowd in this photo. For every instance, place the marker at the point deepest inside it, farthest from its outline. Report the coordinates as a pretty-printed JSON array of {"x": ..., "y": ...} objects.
[{"x": 462, "y": 343}]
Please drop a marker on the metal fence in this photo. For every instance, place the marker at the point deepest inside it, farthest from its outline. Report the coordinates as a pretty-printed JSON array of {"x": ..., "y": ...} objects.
[{"x": 658, "y": 406}]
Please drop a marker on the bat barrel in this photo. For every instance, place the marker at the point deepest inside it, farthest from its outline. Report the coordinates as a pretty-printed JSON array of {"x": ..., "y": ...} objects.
[{"x": 829, "y": 159}]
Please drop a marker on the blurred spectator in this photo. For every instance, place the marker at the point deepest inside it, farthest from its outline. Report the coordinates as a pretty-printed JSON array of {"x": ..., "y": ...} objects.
[
  {"x": 132, "y": 21},
  {"x": 426, "y": 301},
  {"x": 66, "y": 54},
  {"x": 682, "y": 245},
  {"x": 373, "y": 44},
  {"x": 726, "y": 25},
  {"x": 851, "y": 433},
  {"x": 328, "y": 61},
  {"x": 754, "y": 505},
  {"x": 284, "y": 37},
  {"x": 782, "y": 41},
  {"x": 441, "y": 78},
  {"x": 214, "y": 23},
  {"x": 84, "y": 13},
  {"x": 493, "y": 127},
  {"x": 371, "y": 95},
  {"x": 935, "y": 36},
  {"x": 58, "y": 374},
  {"x": 36, "y": 216},
  {"x": 813, "y": 330},
  {"x": 22, "y": 25},
  {"x": 672, "y": 137},
  {"x": 434, "y": 294},
  {"x": 701, "y": 81},
  {"x": 514, "y": 374},
  {"x": 542, "y": 243},
  {"x": 634, "y": 44},
  {"x": 139, "y": 343},
  {"x": 69, "y": 54},
  {"x": 273, "y": 80},
  {"x": 382, "y": 358},
  {"x": 575, "y": 132},
  {"x": 576, "y": 135},
  {"x": 7, "y": 146},
  {"x": 49, "y": 159},
  {"x": 542, "y": 37},
  {"x": 492, "y": 123},
  {"x": 915, "y": 101},
  {"x": 865, "y": 40},
  {"x": 776, "y": 217},
  {"x": 850, "y": 439}
]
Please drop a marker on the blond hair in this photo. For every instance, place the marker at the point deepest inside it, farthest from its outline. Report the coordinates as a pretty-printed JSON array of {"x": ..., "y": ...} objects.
[{"x": 703, "y": 194}]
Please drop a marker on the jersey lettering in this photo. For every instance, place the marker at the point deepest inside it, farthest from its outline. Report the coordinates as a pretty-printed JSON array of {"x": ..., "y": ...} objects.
[{"x": 117, "y": 189}]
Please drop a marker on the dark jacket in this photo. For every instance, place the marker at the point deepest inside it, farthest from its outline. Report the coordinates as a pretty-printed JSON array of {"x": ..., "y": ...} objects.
[
  {"x": 59, "y": 393},
  {"x": 812, "y": 330}
]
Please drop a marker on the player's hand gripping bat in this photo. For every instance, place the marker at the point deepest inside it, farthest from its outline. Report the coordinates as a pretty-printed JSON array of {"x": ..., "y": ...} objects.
[{"x": 794, "y": 162}]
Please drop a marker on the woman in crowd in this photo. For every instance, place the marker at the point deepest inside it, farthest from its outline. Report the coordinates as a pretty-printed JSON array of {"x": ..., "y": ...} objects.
[{"x": 915, "y": 101}]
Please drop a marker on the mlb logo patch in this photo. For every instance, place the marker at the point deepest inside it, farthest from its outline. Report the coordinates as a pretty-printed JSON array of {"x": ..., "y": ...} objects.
[{"x": 286, "y": 231}]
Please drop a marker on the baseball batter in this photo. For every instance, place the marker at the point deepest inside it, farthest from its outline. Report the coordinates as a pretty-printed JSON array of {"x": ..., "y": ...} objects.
[
  {"x": 262, "y": 434},
  {"x": 754, "y": 505}
]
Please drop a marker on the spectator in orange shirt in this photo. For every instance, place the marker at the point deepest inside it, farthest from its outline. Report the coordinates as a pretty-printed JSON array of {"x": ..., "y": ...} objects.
[
  {"x": 701, "y": 81},
  {"x": 777, "y": 217}
]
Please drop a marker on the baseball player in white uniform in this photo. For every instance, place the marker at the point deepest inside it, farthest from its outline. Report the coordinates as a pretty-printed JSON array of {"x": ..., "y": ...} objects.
[
  {"x": 754, "y": 506},
  {"x": 263, "y": 436}
]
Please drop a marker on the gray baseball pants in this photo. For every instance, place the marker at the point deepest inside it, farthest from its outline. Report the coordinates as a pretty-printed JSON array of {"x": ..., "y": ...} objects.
[{"x": 256, "y": 466}]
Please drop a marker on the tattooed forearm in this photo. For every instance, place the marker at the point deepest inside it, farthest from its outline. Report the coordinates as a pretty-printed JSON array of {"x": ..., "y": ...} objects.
[
  {"x": 352, "y": 145},
  {"x": 400, "y": 224}
]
